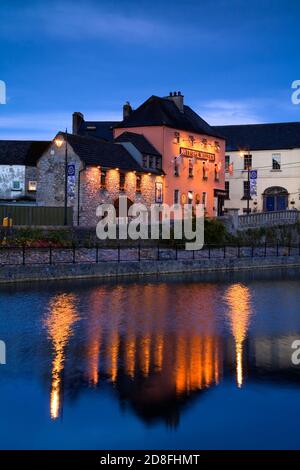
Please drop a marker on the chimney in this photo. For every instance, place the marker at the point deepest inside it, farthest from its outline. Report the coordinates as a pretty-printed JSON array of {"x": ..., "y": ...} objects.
[
  {"x": 78, "y": 119},
  {"x": 127, "y": 110},
  {"x": 177, "y": 97}
]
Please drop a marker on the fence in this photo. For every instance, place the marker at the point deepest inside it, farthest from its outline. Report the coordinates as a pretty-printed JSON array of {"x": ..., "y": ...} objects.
[
  {"x": 23, "y": 255},
  {"x": 35, "y": 215},
  {"x": 263, "y": 219}
]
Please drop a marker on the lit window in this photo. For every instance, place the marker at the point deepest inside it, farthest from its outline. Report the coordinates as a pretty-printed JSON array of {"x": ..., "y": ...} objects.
[
  {"x": 32, "y": 185},
  {"x": 176, "y": 196},
  {"x": 190, "y": 197},
  {"x": 204, "y": 171},
  {"x": 276, "y": 161},
  {"x": 247, "y": 162}
]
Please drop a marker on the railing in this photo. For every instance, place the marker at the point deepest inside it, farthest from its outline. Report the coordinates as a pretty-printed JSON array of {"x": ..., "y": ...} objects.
[
  {"x": 260, "y": 219},
  {"x": 23, "y": 255}
]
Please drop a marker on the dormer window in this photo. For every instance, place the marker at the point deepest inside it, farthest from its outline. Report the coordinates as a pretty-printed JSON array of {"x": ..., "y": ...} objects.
[
  {"x": 158, "y": 163},
  {"x": 145, "y": 161},
  {"x": 151, "y": 161}
]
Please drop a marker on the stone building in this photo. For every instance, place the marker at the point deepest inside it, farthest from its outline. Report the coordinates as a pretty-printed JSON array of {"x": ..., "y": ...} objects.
[
  {"x": 98, "y": 172},
  {"x": 271, "y": 154},
  {"x": 18, "y": 174}
]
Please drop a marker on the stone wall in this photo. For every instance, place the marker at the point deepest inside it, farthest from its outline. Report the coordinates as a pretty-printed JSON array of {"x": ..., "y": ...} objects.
[
  {"x": 51, "y": 177},
  {"x": 8, "y": 174},
  {"x": 30, "y": 175},
  {"x": 9, "y": 274}
]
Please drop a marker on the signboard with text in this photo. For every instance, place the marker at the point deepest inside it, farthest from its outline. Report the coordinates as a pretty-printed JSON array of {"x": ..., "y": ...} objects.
[{"x": 191, "y": 153}]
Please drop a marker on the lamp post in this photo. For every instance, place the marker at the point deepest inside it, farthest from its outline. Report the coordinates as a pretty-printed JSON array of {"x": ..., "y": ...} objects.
[
  {"x": 59, "y": 142},
  {"x": 242, "y": 154}
]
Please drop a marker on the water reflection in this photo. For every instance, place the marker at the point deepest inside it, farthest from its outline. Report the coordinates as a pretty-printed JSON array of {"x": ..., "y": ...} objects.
[
  {"x": 59, "y": 322},
  {"x": 153, "y": 349},
  {"x": 239, "y": 302}
]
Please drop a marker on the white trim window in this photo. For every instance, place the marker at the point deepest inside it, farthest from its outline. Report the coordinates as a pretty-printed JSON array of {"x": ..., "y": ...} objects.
[
  {"x": 32, "y": 186},
  {"x": 16, "y": 185},
  {"x": 276, "y": 161}
]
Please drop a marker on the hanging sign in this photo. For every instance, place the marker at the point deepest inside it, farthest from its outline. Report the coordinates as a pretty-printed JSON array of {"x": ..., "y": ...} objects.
[
  {"x": 253, "y": 182},
  {"x": 71, "y": 180}
]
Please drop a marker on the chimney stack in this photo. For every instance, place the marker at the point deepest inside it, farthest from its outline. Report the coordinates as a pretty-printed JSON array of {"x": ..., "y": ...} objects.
[
  {"x": 78, "y": 119},
  {"x": 177, "y": 98},
  {"x": 127, "y": 110}
]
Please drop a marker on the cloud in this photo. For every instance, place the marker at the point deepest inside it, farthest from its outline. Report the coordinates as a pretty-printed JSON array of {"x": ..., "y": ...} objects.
[
  {"x": 222, "y": 112},
  {"x": 70, "y": 21},
  {"x": 45, "y": 125}
]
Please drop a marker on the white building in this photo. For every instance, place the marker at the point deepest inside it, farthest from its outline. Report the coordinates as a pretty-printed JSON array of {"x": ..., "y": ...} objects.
[{"x": 274, "y": 151}]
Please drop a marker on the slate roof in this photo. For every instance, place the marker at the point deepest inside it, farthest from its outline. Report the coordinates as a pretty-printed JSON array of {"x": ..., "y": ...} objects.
[
  {"x": 110, "y": 155},
  {"x": 21, "y": 152},
  {"x": 158, "y": 111},
  {"x": 139, "y": 141},
  {"x": 275, "y": 136},
  {"x": 102, "y": 129}
]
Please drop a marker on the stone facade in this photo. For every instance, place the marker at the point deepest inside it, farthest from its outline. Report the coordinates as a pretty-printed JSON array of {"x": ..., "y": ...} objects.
[{"x": 51, "y": 185}]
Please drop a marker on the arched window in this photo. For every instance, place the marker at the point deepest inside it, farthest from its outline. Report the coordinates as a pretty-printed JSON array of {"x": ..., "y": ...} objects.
[{"x": 275, "y": 199}]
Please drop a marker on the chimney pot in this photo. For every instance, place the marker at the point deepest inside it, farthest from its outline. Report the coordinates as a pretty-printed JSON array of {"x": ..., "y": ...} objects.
[
  {"x": 127, "y": 110},
  {"x": 178, "y": 99}
]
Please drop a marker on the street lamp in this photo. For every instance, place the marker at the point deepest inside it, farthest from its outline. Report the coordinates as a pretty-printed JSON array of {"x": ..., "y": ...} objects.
[
  {"x": 59, "y": 142},
  {"x": 248, "y": 168}
]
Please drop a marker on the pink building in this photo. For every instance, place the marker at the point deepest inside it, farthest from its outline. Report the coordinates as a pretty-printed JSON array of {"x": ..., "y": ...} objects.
[
  {"x": 193, "y": 154},
  {"x": 190, "y": 152}
]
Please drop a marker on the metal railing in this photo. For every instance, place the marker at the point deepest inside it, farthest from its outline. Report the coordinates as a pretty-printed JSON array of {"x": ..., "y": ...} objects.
[
  {"x": 23, "y": 255},
  {"x": 260, "y": 219}
]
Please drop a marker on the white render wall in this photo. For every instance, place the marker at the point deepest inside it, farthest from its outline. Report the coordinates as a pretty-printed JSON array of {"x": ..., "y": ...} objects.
[
  {"x": 288, "y": 177},
  {"x": 8, "y": 174}
]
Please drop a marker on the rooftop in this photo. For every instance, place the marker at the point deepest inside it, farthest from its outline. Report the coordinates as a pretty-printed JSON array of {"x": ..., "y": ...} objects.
[
  {"x": 285, "y": 135},
  {"x": 139, "y": 141},
  {"x": 21, "y": 152}
]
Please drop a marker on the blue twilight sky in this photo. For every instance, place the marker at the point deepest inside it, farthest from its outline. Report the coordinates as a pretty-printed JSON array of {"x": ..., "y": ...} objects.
[{"x": 234, "y": 60}]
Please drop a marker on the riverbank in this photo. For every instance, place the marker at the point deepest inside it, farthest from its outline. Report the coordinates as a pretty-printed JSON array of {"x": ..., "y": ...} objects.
[{"x": 20, "y": 273}]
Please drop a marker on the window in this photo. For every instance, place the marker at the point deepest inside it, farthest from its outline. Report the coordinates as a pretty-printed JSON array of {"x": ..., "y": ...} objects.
[
  {"x": 151, "y": 161},
  {"x": 190, "y": 197},
  {"x": 158, "y": 163},
  {"x": 32, "y": 185},
  {"x": 246, "y": 189},
  {"x": 227, "y": 190},
  {"x": 227, "y": 163},
  {"x": 138, "y": 183},
  {"x": 204, "y": 171},
  {"x": 176, "y": 137},
  {"x": 247, "y": 162},
  {"x": 103, "y": 179},
  {"x": 191, "y": 168},
  {"x": 145, "y": 161},
  {"x": 176, "y": 196},
  {"x": 276, "y": 161},
  {"x": 191, "y": 140},
  {"x": 176, "y": 167},
  {"x": 216, "y": 172},
  {"x": 204, "y": 199},
  {"x": 122, "y": 181},
  {"x": 16, "y": 186},
  {"x": 245, "y": 210}
]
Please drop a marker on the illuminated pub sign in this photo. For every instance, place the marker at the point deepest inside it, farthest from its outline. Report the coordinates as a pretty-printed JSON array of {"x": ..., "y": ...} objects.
[{"x": 191, "y": 153}]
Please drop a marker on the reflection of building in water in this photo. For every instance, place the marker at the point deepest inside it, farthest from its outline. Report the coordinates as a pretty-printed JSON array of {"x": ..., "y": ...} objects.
[
  {"x": 59, "y": 323},
  {"x": 238, "y": 300}
]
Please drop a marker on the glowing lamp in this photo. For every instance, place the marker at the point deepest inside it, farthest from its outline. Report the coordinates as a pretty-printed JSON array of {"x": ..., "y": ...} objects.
[{"x": 59, "y": 141}]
